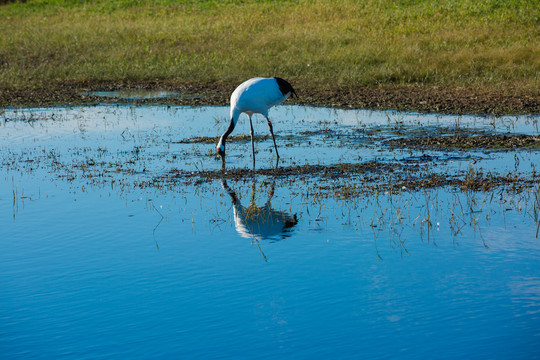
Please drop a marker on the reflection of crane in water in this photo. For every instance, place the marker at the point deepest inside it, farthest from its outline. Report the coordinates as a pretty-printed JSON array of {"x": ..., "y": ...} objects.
[{"x": 258, "y": 223}]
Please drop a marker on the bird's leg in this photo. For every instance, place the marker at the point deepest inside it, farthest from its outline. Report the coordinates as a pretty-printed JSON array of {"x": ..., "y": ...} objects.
[
  {"x": 273, "y": 137},
  {"x": 252, "y": 142}
]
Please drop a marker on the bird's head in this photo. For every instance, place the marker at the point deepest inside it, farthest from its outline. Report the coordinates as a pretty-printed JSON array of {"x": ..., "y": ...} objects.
[{"x": 221, "y": 152}]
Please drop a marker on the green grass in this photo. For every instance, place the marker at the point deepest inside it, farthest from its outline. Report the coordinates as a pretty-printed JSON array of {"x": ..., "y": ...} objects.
[{"x": 489, "y": 43}]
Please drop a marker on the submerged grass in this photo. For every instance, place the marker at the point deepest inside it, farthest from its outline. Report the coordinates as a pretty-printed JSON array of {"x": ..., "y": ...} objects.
[
  {"x": 466, "y": 142},
  {"x": 316, "y": 44}
]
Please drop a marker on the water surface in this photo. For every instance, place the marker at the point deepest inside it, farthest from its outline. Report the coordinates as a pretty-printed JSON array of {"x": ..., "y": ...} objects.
[{"x": 96, "y": 265}]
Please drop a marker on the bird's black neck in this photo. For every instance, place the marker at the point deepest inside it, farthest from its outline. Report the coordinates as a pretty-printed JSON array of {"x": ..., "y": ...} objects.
[
  {"x": 229, "y": 130},
  {"x": 285, "y": 87}
]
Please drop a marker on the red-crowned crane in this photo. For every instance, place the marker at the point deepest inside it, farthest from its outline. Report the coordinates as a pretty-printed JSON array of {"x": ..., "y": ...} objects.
[{"x": 255, "y": 95}]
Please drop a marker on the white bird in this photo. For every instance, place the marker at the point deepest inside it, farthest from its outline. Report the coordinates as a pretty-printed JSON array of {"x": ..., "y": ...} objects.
[{"x": 255, "y": 95}]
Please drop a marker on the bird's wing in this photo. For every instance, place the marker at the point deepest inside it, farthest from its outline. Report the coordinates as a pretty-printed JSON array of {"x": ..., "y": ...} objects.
[{"x": 257, "y": 95}]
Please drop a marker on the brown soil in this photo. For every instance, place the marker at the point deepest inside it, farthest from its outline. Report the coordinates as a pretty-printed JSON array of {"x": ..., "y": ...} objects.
[
  {"x": 350, "y": 180},
  {"x": 398, "y": 97},
  {"x": 466, "y": 142}
]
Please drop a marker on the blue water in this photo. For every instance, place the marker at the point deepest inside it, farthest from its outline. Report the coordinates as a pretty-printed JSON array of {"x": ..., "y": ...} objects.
[{"x": 102, "y": 269}]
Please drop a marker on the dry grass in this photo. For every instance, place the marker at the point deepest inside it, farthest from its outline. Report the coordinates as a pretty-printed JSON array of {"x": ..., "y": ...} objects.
[{"x": 313, "y": 43}]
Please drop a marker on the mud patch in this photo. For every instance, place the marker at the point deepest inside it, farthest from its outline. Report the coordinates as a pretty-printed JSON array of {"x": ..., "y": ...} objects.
[
  {"x": 456, "y": 100},
  {"x": 353, "y": 180},
  {"x": 215, "y": 139},
  {"x": 466, "y": 142}
]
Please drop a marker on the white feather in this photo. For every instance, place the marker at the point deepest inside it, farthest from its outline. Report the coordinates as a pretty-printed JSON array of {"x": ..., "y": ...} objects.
[{"x": 256, "y": 95}]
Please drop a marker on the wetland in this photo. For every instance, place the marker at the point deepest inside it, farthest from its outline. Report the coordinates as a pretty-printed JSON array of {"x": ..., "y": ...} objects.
[
  {"x": 409, "y": 229},
  {"x": 123, "y": 237}
]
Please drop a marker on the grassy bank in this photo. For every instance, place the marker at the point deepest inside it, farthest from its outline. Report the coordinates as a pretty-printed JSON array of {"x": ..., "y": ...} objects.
[{"x": 488, "y": 45}]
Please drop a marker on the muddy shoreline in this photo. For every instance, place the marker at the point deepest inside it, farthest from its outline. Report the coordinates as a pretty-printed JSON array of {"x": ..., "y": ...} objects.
[{"x": 438, "y": 99}]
